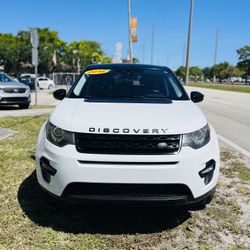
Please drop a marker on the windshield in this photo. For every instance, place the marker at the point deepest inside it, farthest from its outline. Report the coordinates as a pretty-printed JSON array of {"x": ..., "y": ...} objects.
[
  {"x": 128, "y": 85},
  {"x": 5, "y": 78}
]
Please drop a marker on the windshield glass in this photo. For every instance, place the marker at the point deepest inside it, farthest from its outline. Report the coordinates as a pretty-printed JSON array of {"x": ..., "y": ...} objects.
[
  {"x": 118, "y": 85},
  {"x": 5, "y": 78}
]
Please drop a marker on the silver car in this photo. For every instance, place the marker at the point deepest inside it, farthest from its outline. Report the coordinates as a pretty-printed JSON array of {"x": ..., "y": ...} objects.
[{"x": 13, "y": 92}]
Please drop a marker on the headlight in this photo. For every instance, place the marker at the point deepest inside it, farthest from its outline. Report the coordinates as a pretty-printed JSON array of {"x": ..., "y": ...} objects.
[
  {"x": 58, "y": 136},
  {"x": 198, "y": 138}
]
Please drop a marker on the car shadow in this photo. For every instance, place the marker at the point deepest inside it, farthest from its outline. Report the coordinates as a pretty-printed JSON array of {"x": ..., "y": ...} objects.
[
  {"x": 72, "y": 218},
  {"x": 13, "y": 107}
]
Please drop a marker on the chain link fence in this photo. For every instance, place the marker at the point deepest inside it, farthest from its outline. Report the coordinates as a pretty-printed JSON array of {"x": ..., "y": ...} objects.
[{"x": 67, "y": 78}]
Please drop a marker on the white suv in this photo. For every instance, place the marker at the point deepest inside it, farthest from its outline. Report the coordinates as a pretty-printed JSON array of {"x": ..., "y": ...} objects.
[
  {"x": 13, "y": 92},
  {"x": 128, "y": 133}
]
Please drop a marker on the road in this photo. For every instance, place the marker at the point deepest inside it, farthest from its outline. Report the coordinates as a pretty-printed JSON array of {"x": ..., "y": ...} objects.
[{"x": 229, "y": 114}]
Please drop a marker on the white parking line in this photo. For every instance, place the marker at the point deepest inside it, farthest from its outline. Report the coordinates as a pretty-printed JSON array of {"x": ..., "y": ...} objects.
[{"x": 235, "y": 146}]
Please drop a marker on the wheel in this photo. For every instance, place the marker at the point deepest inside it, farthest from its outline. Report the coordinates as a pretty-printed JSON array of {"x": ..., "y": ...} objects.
[{"x": 24, "y": 106}]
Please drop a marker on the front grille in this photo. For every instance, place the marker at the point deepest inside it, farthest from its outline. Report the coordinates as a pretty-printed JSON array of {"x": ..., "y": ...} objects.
[
  {"x": 14, "y": 90},
  {"x": 14, "y": 99},
  {"x": 127, "y": 144},
  {"x": 129, "y": 190}
]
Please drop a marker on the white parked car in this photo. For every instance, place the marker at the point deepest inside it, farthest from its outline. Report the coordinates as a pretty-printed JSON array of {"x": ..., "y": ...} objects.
[
  {"x": 45, "y": 83},
  {"x": 128, "y": 133}
]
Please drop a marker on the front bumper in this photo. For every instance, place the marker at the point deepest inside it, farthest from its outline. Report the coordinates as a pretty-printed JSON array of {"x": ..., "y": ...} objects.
[
  {"x": 180, "y": 170},
  {"x": 13, "y": 99}
]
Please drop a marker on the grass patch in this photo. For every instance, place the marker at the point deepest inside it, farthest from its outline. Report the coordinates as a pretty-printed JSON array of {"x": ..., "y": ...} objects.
[
  {"x": 235, "y": 168},
  {"x": 242, "y": 171},
  {"x": 227, "y": 87}
]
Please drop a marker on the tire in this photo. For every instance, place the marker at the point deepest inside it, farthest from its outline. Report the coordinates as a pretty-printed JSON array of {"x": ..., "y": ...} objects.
[{"x": 24, "y": 106}]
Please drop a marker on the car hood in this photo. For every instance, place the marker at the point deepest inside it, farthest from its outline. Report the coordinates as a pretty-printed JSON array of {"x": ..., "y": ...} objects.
[
  {"x": 178, "y": 117},
  {"x": 13, "y": 84}
]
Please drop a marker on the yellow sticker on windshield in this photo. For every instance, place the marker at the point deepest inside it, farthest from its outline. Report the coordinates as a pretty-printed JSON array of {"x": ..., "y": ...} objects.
[{"x": 97, "y": 71}]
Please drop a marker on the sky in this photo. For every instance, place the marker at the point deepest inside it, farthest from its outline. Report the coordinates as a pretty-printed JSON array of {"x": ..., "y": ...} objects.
[{"x": 106, "y": 21}]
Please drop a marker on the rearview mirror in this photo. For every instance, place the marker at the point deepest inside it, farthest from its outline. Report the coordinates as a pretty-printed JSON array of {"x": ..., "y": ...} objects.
[
  {"x": 59, "y": 94},
  {"x": 196, "y": 96}
]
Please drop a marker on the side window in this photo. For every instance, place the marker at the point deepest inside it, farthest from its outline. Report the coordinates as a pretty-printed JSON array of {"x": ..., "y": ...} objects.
[
  {"x": 78, "y": 88},
  {"x": 176, "y": 88},
  {"x": 4, "y": 78}
]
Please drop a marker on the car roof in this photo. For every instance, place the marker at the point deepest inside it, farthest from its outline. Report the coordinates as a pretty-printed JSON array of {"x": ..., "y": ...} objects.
[{"x": 126, "y": 66}]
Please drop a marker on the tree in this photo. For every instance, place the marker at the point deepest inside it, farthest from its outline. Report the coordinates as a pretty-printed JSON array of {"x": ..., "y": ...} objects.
[
  {"x": 181, "y": 72},
  {"x": 49, "y": 42},
  {"x": 244, "y": 60},
  {"x": 15, "y": 52},
  {"x": 87, "y": 52},
  {"x": 9, "y": 52},
  {"x": 208, "y": 73},
  {"x": 218, "y": 68},
  {"x": 196, "y": 72}
]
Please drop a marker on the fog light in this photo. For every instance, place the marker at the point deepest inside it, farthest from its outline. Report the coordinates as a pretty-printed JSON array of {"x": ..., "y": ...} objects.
[
  {"x": 208, "y": 172},
  {"x": 47, "y": 169}
]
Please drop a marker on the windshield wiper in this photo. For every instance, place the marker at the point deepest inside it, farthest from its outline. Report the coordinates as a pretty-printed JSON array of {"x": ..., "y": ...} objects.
[{"x": 150, "y": 97}]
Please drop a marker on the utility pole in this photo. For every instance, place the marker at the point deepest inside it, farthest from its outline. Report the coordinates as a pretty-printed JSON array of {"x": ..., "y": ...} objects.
[
  {"x": 189, "y": 41},
  {"x": 129, "y": 33},
  {"x": 152, "y": 47},
  {"x": 216, "y": 49},
  {"x": 34, "y": 39},
  {"x": 184, "y": 53}
]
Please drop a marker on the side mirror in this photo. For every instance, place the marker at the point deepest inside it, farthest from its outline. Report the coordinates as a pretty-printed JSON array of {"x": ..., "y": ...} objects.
[
  {"x": 59, "y": 94},
  {"x": 196, "y": 96}
]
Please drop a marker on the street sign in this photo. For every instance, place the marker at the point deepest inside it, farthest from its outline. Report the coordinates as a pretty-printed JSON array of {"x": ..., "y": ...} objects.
[
  {"x": 133, "y": 31},
  {"x": 34, "y": 39},
  {"x": 133, "y": 23}
]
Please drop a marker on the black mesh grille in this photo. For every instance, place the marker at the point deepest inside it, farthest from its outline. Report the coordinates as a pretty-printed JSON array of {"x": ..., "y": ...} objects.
[
  {"x": 127, "y": 144},
  {"x": 126, "y": 189},
  {"x": 14, "y": 90},
  {"x": 14, "y": 99}
]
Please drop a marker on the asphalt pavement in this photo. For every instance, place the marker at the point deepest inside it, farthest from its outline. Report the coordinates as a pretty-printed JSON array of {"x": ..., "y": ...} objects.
[{"x": 229, "y": 114}]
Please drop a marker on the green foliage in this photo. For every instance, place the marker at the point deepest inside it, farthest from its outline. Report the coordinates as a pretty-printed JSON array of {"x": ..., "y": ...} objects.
[
  {"x": 225, "y": 70},
  {"x": 244, "y": 59},
  {"x": 9, "y": 51},
  {"x": 195, "y": 73},
  {"x": 208, "y": 73},
  {"x": 15, "y": 52},
  {"x": 181, "y": 71}
]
